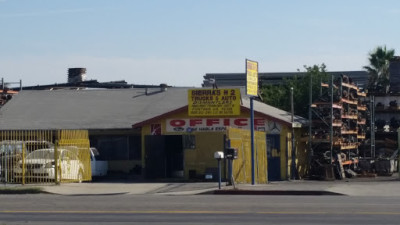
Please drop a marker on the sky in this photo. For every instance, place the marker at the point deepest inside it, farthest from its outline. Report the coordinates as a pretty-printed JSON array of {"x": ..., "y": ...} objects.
[{"x": 178, "y": 41}]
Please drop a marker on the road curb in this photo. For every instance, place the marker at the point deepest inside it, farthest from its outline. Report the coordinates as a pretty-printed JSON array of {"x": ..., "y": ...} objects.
[
  {"x": 272, "y": 192},
  {"x": 22, "y": 191},
  {"x": 193, "y": 192}
]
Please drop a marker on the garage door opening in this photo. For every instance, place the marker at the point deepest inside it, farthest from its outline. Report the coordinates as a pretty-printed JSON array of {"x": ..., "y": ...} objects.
[{"x": 164, "y": 156}]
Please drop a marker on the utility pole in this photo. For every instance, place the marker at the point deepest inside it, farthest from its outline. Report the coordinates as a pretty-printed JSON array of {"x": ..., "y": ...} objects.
[
  {"x": 311, "y": 152},
  {"x": 293, "y": 166},
  {"x": 331, "y": 122}
]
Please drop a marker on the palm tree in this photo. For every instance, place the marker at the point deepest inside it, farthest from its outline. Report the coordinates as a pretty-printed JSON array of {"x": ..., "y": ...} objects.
[{"x": 378, "y": 69}]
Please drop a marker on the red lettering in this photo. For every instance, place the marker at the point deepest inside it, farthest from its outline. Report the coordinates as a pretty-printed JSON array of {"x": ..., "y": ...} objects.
[
  {"x": 177, "y": 123},
  {"x": 227, "y": 122},
  {"x": 240, "y": 122},
  {"x": 194, "y": 122},
  {"x": 259, "y": 122},
  {"x": 211, "y": 122}
]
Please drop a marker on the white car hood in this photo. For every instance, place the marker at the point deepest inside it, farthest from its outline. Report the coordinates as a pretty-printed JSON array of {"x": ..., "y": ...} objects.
[{"x": 38, "y": 161}]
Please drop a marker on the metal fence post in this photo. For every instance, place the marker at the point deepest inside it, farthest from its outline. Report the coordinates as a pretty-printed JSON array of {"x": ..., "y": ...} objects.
[
  {"x": 23, "y": 163},
  {"x": 56, "y": 175}
]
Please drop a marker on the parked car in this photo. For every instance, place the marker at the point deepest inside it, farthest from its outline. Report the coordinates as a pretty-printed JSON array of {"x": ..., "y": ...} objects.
[
  {"x": 11, "y": 152},
  {"x": 12, "y": 147},
  {"x": 40, "y": 164},
  {"x": 99, "y": 168}
]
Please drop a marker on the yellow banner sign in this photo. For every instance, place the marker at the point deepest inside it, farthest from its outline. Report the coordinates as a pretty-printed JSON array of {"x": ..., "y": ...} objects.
[
  {"x": 214, "y": 102},
  {"x": 251, "y": 78}
]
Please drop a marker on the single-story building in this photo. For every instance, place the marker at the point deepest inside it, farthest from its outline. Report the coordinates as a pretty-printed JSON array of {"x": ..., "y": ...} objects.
[{"x": 138, "y": 129}]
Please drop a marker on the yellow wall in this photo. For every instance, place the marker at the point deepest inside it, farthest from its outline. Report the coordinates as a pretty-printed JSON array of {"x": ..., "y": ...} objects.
[
  {"x": 145, "y": 131},
  {"x": 209, "y": 142},
  {"x": 301, "y": 154},
  {"x": 242, "y": 166},
  {"x": 300, "y": 151},
  {"x": 202, "y": 157},
  {"x": 285, "y": 146}
]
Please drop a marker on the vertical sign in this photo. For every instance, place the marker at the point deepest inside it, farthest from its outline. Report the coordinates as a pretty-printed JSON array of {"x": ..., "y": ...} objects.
[
  {"x": 252, "y": 91},
  {"x": 251, "y": 78}
]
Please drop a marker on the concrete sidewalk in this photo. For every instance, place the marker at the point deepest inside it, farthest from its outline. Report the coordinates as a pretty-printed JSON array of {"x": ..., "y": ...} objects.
[
  {"x": 379, "y": 186},
  {"x": 351, "y": 187},
  {"x": 113, "y": 188}
]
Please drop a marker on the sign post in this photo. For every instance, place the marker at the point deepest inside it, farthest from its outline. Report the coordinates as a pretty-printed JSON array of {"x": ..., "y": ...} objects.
[{"x": 252, "y": 91}]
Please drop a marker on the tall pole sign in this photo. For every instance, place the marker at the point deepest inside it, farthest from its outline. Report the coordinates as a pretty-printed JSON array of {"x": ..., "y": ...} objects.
[
  {"x": 252, "y": 91},
  {"x": 251, "y": 78}
]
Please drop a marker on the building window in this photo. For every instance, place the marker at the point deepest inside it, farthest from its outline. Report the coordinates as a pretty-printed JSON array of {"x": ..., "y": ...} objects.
[{"x": 118, "y": 147}]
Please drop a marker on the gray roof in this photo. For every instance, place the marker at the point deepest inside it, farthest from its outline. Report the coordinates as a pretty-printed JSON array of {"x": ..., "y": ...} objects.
[
  {"x": 100, "y": 109},
  {"x": 272, "y": 112},
  {"x": 87, "y": 109}
]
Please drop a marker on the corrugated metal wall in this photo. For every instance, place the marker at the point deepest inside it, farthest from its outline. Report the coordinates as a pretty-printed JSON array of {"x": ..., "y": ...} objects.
[
  {"x": 394, "y": 70},
  {"x": 241, "y": 139}
]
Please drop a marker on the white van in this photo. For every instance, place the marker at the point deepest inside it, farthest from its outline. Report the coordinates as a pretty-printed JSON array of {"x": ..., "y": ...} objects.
[{"x": 99, "y": 168}]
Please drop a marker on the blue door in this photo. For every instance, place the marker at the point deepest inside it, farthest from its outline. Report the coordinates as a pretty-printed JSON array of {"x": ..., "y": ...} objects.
[{"x": 273, "y": 156}]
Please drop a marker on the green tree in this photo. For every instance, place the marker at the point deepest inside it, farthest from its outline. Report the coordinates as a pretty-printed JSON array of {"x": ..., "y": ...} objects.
[
  {"x": 378, "y": 69},
  {"x": 279, "y": 95}
]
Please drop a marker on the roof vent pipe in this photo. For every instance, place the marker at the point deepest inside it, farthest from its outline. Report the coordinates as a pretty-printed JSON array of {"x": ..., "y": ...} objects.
[
  {"x": 163, "y": 87},
  {"x": 76, "y": 75}
]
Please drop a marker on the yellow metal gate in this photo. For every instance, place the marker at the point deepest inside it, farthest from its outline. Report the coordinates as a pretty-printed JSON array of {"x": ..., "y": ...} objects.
[
  {"x": 241, "y": 140},
  {"x": 42, "y": 156}
]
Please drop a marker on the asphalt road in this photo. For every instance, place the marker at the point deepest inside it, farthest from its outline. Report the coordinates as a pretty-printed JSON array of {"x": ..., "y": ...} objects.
[{"x": 197, "y": 209}]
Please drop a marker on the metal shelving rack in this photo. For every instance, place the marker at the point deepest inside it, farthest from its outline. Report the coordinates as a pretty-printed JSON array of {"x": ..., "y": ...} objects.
[{"x": 338, "y": 126}]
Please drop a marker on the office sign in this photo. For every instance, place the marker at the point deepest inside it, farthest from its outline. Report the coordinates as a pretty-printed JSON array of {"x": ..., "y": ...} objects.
[{"x": 213, "y": 124}]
